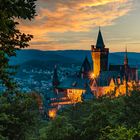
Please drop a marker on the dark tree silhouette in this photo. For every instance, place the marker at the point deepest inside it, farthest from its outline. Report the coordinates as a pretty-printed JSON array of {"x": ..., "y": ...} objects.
[
  {"x": 11, "y": 39},
  {"x": 18, "y": 112}
]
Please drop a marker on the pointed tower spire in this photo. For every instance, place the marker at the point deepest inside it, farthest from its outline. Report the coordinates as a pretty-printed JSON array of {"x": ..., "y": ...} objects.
[
  {"x": 99, "y": 56},
  {"x": 126, "y": 75},
  {"x": 55, "y": 81},
  {"x": 126, "y": 57},
  {"x": 85, "y": 68},
  {"x": 86, "y": 65},
  {"x": 100, "y": 42}
]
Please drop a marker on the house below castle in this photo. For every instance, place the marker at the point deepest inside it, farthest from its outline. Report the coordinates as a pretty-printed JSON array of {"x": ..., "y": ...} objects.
[{"x": 93, "y": 81}]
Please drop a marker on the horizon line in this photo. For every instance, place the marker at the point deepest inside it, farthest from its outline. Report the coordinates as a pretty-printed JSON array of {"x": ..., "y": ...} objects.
[{"x": 78, "y": 50}]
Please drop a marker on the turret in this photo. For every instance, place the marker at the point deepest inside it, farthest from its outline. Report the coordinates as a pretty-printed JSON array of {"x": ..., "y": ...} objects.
[
  {"x": 126, "y": 58},
  {"x": 126, "y": 64},
  {"x": 85, "y": 68},
  {"x": 126, "y": 75},
  {"x": 99, "y": 55},
  {"x": 100, "y": 42}
]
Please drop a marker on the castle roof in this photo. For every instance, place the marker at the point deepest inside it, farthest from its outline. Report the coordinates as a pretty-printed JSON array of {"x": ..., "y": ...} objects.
[
  {"x": 73, "y": 83},
  {"x": 86, "y": 67},
  {"x": 106, "y": 76},
  {"x": 118, "y": 68},
  {"x": 88, "y": 95},
  {"x": 100, "y": 42}
]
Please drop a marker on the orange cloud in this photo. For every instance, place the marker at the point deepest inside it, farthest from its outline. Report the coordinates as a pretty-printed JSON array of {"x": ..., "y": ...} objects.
[{"x": 72, "y": 16}]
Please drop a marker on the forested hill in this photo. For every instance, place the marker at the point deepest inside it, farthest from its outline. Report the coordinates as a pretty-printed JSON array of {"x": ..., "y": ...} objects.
[{"x": 70, "y": 56}]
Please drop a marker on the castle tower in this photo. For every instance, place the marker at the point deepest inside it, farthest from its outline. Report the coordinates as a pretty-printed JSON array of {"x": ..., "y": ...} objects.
[
  {"x": 126, "y": 59},
  {"x": 55, "y": 81},
  {"x": 99, "y": 56},
  {"x": 126, "y": 75},
  {"x": 126, "y": 66}
]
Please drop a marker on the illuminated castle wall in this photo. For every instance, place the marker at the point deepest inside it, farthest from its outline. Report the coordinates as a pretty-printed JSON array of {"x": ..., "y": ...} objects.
[
  {"x": 110, "y": 78},
  {"x": 100, "y": 56}
]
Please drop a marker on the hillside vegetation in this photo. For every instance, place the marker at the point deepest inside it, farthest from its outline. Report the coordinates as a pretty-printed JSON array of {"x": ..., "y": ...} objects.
[
  {"x": 100, "y": 119},
  {"x": 69, "y": 56}
]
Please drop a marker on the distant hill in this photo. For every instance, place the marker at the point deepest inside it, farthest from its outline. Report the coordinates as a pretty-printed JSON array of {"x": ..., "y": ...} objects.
[{"x": 37, "y": 57}]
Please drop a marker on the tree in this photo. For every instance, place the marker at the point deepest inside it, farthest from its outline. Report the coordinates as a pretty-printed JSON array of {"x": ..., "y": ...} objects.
[
  {"x": 11, "y": 39},
  {"x": 119, "y": 133},
  {"x": 58, "y": 129},
  {"x": 18, "y": 112},
  {"x": 105, "y": 118},
  {"x": 131, "y": 109},
  {"x": 18, "y": 116}
]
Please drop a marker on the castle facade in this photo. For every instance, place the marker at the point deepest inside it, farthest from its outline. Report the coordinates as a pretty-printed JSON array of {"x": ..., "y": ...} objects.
[{"x": 93, "y": 81}]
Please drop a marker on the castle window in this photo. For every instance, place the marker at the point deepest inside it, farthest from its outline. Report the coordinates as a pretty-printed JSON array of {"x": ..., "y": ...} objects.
[{"x": 70, "y": 91}]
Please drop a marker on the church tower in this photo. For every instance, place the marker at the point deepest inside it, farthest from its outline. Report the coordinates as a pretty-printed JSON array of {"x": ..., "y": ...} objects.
[
  {"x": 99, "y": 55},
  {"x": 126, "y": 69},
  {"x": 126, "y": 66},
  {"x": 126, "y": 59}
]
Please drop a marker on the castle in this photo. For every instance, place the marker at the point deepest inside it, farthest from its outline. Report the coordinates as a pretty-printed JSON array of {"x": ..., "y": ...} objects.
[{"x": 93, "y": 81}]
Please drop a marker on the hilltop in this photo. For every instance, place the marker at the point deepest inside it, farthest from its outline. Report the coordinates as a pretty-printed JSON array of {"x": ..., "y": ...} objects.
[{"x": 38, "y": 57}]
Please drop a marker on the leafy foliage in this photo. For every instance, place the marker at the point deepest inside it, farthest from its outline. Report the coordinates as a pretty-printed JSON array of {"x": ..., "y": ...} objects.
[
  {"x": 18, "y": 116},
  {"x": 119, "y": 133},
  {"x": 64, "y": 130},
  {"x": 11, "y": 39},
  {"x": 18, "y": 112},
  {"x": 101, "y": 119}
]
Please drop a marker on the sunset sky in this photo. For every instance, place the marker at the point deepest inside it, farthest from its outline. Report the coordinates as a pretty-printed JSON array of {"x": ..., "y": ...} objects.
[{"x": 74, "y": 24}]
